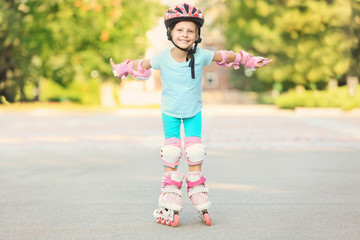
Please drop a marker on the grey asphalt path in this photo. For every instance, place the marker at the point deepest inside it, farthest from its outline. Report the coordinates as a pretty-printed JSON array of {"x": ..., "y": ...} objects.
[{"x": 97, "y": 174}]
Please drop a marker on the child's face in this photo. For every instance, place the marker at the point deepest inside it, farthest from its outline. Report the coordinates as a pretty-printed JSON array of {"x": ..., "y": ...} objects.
[{"x": 184, "y": 34}]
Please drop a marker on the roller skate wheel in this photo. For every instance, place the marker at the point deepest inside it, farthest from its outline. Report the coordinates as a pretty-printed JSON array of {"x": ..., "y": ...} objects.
[
  {"x": 176, "y": 221},
  {"x": 158, "y": 220},
  {"x": 207, "y": 219},
  {"x": 168, "y": 222}
]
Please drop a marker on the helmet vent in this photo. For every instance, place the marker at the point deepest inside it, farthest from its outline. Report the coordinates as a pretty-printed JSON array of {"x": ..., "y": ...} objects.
[
  {"x": 194, "y": 10},
  {"x": 179, "y": 10},
  {"x": 186, "y": 8}
]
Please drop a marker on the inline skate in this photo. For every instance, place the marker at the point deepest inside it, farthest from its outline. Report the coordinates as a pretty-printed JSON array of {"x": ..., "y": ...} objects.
[
  {"x": 170, "y": 201},
  {"x": 197, "y": 193}
]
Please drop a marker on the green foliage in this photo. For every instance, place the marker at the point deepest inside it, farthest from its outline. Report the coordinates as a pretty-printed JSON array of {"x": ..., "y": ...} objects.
[
  {"x": 84, "y": 93},
  {"x": 338, "y": 98},
  {"x": 355, "y": 38},
  {"x": 308, "y": 40},
  {"x": 65, "y": 40}
]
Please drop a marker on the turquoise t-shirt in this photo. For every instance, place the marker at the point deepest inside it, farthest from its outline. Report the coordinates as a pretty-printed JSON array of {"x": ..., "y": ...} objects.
[{"x": 181, "y": 95}]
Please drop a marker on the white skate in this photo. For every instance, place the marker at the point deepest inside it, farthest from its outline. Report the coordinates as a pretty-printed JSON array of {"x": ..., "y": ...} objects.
[
  {"x": 198, "y": 195},
  {"x": 170, "y": 201}
]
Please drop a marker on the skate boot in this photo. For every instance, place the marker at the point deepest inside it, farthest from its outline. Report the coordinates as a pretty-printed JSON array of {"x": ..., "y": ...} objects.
[
  {"x": 170, "y": 201},
  {"x": 198, "y": 195}
]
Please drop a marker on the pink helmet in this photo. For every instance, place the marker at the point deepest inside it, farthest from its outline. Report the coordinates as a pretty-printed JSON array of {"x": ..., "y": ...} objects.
[{"x": 183, "y": 12}]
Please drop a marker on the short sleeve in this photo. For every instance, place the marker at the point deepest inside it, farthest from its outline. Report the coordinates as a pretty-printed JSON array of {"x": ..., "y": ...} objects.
[
  {"x": 155, "y": 61},
  {"x": 207, "y": 56}
]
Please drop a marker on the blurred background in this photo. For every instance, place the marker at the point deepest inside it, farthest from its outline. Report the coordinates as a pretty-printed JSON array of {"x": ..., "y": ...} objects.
[{"x": 58, "y": 51}]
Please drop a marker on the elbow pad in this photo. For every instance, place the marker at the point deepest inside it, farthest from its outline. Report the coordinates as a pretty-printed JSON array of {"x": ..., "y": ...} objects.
[{"x": 243, "y": 58}]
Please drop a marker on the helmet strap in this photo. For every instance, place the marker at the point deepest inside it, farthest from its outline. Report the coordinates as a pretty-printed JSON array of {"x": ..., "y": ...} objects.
[{"x": 190, "y": 52}]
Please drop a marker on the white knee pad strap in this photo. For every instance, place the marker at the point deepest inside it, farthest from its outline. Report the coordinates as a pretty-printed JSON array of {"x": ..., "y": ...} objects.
[
  {"x": 170, "y": 155},
  {"x": 195, "y": 154}
]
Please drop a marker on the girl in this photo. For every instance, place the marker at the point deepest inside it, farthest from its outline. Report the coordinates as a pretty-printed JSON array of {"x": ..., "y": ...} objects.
[{"x": 181, "y": 72}]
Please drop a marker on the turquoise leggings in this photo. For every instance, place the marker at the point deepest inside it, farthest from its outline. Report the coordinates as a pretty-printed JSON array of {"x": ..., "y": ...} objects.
[{"x": 192, "y": 126}]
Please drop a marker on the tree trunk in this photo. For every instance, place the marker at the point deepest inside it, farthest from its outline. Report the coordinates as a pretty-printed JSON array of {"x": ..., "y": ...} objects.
[{"x": 352, "y": 84}]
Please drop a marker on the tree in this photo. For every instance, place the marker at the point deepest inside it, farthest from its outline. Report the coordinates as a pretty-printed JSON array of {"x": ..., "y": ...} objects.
[
  {"x": 307, "y": 39},
  {"x": 10, "y": 49},
  {"x": 67, "y": 40},
  {"x": 354, "y": 33}
]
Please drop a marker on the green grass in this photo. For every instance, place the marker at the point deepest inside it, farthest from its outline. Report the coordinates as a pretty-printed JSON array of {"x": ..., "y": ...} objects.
[{"x": 336, "y": 98}]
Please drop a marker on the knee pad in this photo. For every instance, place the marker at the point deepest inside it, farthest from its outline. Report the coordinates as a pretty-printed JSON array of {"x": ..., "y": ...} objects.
[
  {"x": 170, "y": 153},
  {"x": 195, "y": 151}
]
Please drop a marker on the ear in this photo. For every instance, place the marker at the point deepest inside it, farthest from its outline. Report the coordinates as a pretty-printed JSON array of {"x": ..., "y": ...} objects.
[
  {"x": 168, "y": 31},
  {"x": 198, "y": 39},
  {"x": 168, "y": 34}
]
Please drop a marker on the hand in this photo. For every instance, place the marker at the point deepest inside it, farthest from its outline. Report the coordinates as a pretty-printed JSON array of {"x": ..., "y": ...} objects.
[
  {"x": 263, "y": 63},
  {"x": 112, "y": 63},
  {"x": 115, "y": 72},
  {"x": 119, "y": 70}
]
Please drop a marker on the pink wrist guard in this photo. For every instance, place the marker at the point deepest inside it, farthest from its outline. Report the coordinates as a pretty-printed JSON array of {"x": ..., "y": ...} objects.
[
  {"x": 249, "y": 61},
  {"x": 121, "y": 70},
  {"x": 126, "y": 68}
]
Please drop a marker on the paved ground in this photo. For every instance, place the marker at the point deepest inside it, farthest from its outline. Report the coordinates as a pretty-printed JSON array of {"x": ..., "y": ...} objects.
[{"x": 96, "y": 175}]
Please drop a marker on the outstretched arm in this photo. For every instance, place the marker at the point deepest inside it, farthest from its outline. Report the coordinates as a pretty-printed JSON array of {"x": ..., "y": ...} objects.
[
  {"x": 145, "y": 64},
  {"x": 138, "y": 68},
  {"x": 229, "y": 58}
]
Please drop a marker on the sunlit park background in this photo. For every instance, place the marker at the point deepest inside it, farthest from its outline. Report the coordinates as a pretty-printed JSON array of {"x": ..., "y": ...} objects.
[{"x": 58, "y": 51}]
